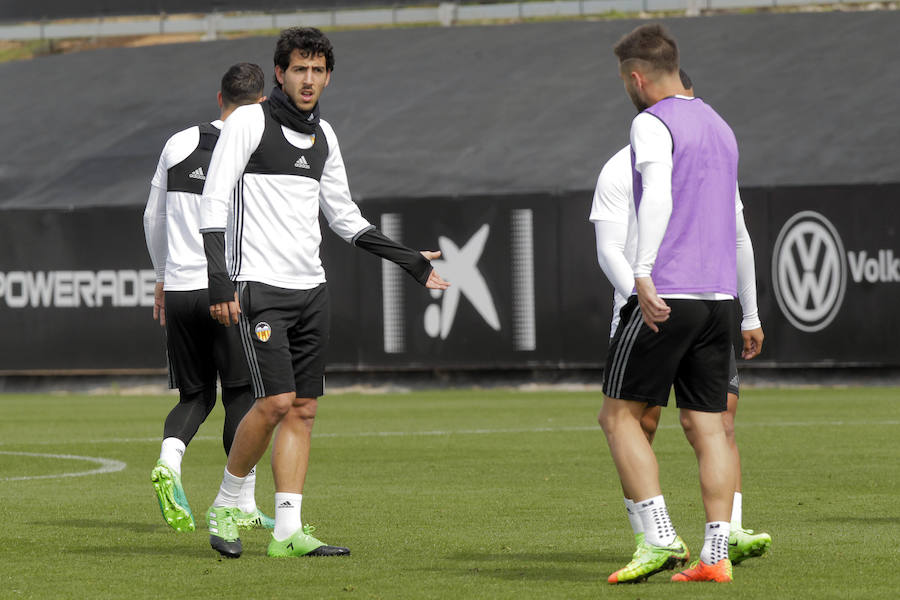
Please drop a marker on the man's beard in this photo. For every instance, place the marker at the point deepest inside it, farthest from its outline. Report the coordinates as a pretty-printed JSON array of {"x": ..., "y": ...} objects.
[{"x": 639, "y": 104}]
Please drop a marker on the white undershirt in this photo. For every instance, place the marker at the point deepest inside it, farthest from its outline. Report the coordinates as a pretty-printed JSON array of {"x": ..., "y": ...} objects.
[{"x": 615, "y": 225}]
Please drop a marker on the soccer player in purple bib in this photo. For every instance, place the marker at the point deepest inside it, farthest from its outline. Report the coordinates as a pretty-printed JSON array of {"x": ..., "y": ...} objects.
[
  {"x": 615, "y": 222},
  {"x": 676, "y": 328}
]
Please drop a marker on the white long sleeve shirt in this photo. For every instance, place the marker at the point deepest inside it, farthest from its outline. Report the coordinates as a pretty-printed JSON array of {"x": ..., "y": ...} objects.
[
  {"x": 615, "y": 224},
  {"x": 172, "y": 220},
  {"x": 274, "y": 236}
]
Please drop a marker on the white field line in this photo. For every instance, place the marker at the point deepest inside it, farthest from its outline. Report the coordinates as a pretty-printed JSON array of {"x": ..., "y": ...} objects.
[
  {"x": 439, "y": 432},
  {"x": 106, "y": 466}
]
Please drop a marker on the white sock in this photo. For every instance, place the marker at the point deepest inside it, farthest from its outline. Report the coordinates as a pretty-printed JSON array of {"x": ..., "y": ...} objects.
[
  {"x": 654, "y": 515},
  {"x": 736, "y": 509},
  {"x": 171, "y": 452},
  {"x": 247, "y": 497},
  {"x": 229, "y": 491},
  {"x": 637, "y": 526},
  {"x": 715, "y": 542},
  {"x": 287, "y": 515}
]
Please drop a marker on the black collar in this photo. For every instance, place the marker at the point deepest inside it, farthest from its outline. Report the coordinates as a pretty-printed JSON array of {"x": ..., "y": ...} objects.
[{"x": 285, "y": 112}]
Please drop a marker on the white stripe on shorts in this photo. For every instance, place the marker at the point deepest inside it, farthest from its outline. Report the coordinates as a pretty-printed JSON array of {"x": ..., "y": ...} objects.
[
  {"x": 259, "y": 390},
  {"x": 620, "y": 359}
]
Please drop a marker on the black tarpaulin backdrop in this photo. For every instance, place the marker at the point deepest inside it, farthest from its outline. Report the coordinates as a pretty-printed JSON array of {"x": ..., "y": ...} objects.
[
  {"x": 572, "y": 300},
  {"x": 454, "y": 128}
]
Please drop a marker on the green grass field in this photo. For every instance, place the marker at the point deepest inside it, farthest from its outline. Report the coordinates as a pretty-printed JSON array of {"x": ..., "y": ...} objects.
[{"x": 449, "y": 494}]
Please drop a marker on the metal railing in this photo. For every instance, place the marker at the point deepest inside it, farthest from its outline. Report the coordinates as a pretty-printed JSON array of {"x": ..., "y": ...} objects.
[{"x": 446, "y": 14}]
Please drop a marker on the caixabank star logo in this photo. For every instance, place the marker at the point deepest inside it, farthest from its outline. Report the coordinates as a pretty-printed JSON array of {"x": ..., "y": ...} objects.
[
  {"x": 460, "y": 265},
  {"x": 461, "y": 255}
]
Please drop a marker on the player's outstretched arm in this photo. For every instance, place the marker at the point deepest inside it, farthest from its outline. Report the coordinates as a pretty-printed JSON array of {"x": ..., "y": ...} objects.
[
  {"x": 435, "y": 282},
  {"x": 417, "y": 264}
]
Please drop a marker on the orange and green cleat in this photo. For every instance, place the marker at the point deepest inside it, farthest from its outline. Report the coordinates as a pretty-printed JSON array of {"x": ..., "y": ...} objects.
[
  {"x": 649, "y": 560},
  {"x": 700, "y": 571},
  {"x": 638, "y": 542}
]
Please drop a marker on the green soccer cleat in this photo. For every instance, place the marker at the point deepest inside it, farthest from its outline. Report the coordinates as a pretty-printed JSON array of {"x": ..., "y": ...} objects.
[
  {"x": 744, "y": 544},
  {"x": 172, "y": 502},
  {"x": 649, "y": 560},
  {"x": 253, "y": 520},
  {"x": 639, "y": 540},
  {"x": 223, "y": 532},
  {"x": 304, "y": 544}
]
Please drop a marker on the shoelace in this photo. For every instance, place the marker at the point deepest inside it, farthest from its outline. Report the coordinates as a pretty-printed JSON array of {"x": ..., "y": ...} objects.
[{"x": 308, "y": 529}]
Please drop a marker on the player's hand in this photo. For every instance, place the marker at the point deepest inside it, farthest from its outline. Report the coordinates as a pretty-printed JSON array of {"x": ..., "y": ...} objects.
[
  {"x": 753, "y": 340},
  {"x": 226, "y": 313},
  {"x": 653, "y": 308},
  {"x": 159, "y": 304},
  {"x": 435, "y": 282}
]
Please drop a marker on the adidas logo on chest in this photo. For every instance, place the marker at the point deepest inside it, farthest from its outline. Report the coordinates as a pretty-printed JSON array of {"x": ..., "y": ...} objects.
[
  {"x": 286, "y": 152},
  {"x": 198, "y": 174}
]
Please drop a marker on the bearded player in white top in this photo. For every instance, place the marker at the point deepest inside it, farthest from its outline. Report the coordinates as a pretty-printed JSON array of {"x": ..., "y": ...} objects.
[{"x": 615, "y": 224}]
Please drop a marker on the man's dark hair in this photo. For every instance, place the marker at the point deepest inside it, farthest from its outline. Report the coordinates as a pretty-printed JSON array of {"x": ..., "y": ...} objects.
[
  {"x": 685, "y": 80},
  {"x": 242, "y": 83},
  {"x": 651, "y": 44},
  {"x": 308, "y": 40}
]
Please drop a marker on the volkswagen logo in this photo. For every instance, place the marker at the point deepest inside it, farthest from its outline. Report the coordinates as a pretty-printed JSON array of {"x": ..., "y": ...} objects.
[{"x": 809, "y": 272}]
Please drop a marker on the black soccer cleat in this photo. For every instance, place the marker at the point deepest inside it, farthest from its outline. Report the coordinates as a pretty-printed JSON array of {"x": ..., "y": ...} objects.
[
  {"x": 223, "y": 531},
  {"x": 330, "y": 551},
  {"x": 228, "y": 549}
]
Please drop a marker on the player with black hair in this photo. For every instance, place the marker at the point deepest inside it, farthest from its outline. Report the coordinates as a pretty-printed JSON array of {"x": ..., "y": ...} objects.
[
  {"x": 198, "y": 347},
  {"x": 287, "y": 166}
]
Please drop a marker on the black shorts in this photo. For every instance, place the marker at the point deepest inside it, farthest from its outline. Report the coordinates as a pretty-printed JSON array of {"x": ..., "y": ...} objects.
[
  {"x": 734, "y": 380},
  {"x": 199, "y": 347},
  {"x": 691, "y": 350},
  {"x": 285, "y": 335}
]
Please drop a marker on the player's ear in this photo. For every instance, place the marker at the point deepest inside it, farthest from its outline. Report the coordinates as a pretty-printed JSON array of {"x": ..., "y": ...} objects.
[
  {"x": 219, "y": 100},
  {"x": 639, "y": 80},
  {"x": 327, "y": 78},
  {"x": 279, "y": 75}
]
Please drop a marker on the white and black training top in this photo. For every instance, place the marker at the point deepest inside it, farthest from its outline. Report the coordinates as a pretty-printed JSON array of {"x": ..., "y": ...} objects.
[
  {"x": 281, "y": 178},
  {"x": 172, "y": 215}
]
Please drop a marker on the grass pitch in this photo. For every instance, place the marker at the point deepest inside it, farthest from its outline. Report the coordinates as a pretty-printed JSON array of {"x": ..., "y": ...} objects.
[{"x": 448, "y": 494}]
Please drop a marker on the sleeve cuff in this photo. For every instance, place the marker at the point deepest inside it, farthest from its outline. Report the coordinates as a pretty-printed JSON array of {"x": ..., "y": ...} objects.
[{"x": 750, "y": 322}]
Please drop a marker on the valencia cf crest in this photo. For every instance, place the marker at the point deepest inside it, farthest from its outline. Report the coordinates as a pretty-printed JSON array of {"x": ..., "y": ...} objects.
[{"x": 263, "y": 331}]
